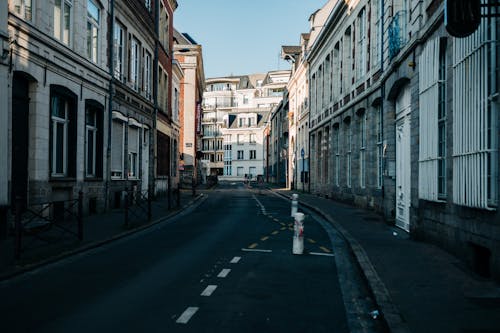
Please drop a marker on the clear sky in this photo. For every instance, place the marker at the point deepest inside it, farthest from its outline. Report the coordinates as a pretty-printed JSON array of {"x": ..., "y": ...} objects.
[{"x": 244, "y": 36}]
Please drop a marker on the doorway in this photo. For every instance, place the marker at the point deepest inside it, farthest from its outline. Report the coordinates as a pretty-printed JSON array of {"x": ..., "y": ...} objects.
[
  {"x": 403, "y": 160},
  {"x": 20, "y": 138}
]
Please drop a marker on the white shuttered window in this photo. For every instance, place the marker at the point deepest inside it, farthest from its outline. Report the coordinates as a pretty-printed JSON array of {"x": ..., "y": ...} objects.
[
  {"x": 475, "y": 133},
  {"x": 428, "y": 100}
]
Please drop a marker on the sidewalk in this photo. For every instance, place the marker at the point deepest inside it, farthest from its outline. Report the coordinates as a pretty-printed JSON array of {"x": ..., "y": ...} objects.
[
  {"x": 97, "y": 230},
  {"x": 417, "y": 286}
]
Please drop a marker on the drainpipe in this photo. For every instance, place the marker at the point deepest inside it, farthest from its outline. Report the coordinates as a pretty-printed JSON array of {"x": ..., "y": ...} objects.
[
  {"x": 152, "y": 132},
  {"x": 110, "y": 102}
]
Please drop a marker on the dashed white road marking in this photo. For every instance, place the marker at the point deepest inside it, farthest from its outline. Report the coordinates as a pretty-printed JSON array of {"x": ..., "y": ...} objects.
[
  {"x": 235, "y": 260},
  {"x": 321, "y": 254},
  {"x": 255, "y": 250},
  {"x": 224, "y": 273},
  {"x": 186, "y": 315},
  {"x": 209, "y": 290}
]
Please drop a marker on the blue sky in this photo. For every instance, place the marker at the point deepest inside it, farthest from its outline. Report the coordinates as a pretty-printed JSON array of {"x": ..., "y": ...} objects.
[{"x": 244, "y": 37}]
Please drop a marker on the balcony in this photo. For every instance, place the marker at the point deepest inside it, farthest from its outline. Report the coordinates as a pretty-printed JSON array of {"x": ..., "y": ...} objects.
[{"x": 397, "y": 33}]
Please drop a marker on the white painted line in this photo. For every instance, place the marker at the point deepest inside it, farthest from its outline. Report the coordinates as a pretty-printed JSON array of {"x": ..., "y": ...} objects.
[
  {"x": 235, "y": 260},
  {"x": 224, "y": 273},
  {"x": 186, "y": 315},
  {"x": 256, "y": 250},
  {"x": 209, "y": 290},
  {"x": 321, "y": 254}
]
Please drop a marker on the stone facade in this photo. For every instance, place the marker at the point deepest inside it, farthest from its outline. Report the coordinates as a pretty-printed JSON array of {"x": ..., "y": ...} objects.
[
  {"x": 81, "y": 108},
  {"x": 399, "y": 124}
]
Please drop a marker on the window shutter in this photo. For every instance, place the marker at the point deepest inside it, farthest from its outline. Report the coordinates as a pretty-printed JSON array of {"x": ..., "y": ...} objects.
[
  {"x": 117, "y": 146},
  {"x": 133, "y": 137},
  {"x": 428, "y": 129}
]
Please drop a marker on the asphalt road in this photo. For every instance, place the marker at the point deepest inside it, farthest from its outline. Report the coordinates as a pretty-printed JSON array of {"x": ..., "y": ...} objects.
[{"x": 223, "y": 266}]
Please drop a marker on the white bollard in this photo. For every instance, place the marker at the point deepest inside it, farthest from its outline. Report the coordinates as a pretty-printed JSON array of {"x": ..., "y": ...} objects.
[
  {"x": 298, "y": 234},
  {"x": 295, "y": 204}
]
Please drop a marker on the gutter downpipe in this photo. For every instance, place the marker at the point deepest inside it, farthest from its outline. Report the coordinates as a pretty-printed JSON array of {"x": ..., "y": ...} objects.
[
  {"x": 152, "y": 132},
  {"x": 110, "y": 102}
]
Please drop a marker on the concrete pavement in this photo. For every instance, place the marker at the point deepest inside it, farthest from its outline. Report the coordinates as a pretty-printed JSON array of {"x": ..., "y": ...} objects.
[{"x": 417, "y": 286}]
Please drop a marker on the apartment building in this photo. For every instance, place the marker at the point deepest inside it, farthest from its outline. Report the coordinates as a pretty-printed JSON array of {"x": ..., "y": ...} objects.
[
  {"x": 82, "y": 94},
  {"x": 235, "y": 111},
  {"x": 189, "y": 54},
  {"x": 404, "y": 119}
]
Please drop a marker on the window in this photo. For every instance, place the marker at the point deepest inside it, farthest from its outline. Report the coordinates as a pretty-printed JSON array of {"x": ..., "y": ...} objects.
[
  {"x": 23, "y": 8},
  {"x": 241, "y": 122},
  {"x": 117, "y": 148},
  {"x": 442, "y": 120},
  {"x": 245, "y": 99},
  {"x": 164, "y": 28},
  {"x": 380, "y": 146},
  {"x": 362, "y": 150},
  {"x": 240, "y": 139},
  {"x": 147, "y": 75},
  {"x": 119, "y": 44},
  {"x": 349, "y": 152},
  {"x": 240, "y": 154},
  {"x": 90, "y": 141},
  {"x": 336, "y": 69},
  {"x": 475, "y": 143},
  {"x": 252, "y": 171},
  {"x": 59, "y": 136},
  {"x": 347, "y": 61},
  {"x": 92, "y": 31},
  {"x": 175, "y": 111},
  {"x": 336, "y": 146},
  {"x": 377, "y": 40},
  {"x": 147, "y": 3},
  {"x": 133, "y": 152},
  {"x": 62, "y": 20},
  {"x": 362, "y": 44},
  {"x": 228, "y": 171},
  {"x": 253, "y": 139},
  {"x": 63, "y": 133},
  {"x": 432, "y": 131},
  {"x": 240, "y": 171},
  {"x": 253, "y": 154},
  {"x": 134, "y": 64}
]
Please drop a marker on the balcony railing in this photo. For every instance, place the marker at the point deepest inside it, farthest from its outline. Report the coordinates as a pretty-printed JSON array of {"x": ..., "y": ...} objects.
[{"x": 397, "y": 33}]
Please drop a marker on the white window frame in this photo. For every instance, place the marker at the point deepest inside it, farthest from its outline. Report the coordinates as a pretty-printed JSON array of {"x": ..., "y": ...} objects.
[
  {"x": 135, "y": 55},
  {"x": 63, "y": 17},
  {"x": 337, "y": 154},
  {"x": 253, "y": 154},
  {"x": 362, "y": 151},
  {"x": 24, "y": 9},
  {"x": 56, "y": 121},
  {"x": 119, "y": 54},
  {"x": 432, "y": 148},
  {"x": 380, "y": 146},
  {"x": 93, "y": 24},
  {"x": 92, "y": 131},
  {"x": 133, "y": 156},
  {"x": 475, "y": 116},
  {"x": 147, "y": 75},
  {"x": 349, "y": 155},
  {"x": 362, "y": 44},
  {"x": 115, "y": 173}
]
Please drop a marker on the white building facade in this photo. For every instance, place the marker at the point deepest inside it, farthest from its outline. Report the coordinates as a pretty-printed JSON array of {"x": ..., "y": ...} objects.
[{"x": 235, "y": 111}]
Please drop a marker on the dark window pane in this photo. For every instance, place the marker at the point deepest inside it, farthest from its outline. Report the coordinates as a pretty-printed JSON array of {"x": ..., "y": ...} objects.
[{"x": 59, "y": 149}]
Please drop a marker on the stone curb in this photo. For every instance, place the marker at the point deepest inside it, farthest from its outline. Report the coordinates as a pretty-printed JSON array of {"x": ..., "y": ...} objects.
[
  {"x": 390, "y": 313},
  {"x": 83, "y": 248}
]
